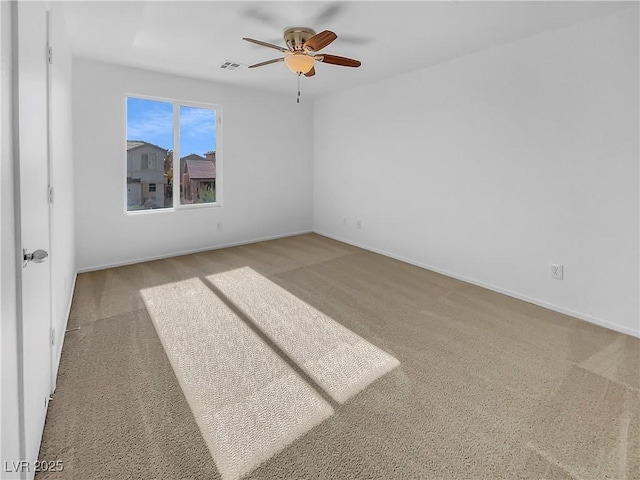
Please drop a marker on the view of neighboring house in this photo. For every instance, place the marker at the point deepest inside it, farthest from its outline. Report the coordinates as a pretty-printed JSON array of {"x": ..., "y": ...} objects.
[
  {"x": 146, "y": 179},
  {"x": 198, "y": 178}
]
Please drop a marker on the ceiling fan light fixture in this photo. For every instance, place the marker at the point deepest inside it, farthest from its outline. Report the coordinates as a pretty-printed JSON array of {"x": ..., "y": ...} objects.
[{"x": 299, "y": 62}]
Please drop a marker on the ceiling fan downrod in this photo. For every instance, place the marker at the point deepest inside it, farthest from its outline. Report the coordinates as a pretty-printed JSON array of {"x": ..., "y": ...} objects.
[{"x": 298, "y": 99}]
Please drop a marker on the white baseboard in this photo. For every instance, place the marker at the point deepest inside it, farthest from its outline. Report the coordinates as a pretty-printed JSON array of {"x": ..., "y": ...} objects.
[
  {"x": 188, "y": 252},
  {"x": 535, "y": 301}
]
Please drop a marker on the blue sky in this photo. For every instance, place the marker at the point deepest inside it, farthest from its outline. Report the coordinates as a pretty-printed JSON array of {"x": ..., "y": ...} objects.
[{"x": 152, "y": 121}]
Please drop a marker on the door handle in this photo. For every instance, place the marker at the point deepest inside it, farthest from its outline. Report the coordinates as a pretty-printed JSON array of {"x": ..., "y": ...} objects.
[{"x": 36, "y": 257}]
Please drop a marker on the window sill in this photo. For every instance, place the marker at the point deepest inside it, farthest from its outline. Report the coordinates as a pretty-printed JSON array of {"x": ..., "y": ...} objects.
[
  {"x": 195, "y": 206},
  {"x": 180, "y": 208}
]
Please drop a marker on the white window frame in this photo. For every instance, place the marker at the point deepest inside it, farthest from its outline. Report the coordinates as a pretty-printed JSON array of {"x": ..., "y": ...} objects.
[{"x": 177, "y": 206}]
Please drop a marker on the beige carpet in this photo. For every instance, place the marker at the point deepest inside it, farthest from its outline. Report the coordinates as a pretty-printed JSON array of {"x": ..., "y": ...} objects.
[
  {"x": 339, "y": 361},
  {"x": 248, "y": 403},
  {"x": 488, "y": 387}
]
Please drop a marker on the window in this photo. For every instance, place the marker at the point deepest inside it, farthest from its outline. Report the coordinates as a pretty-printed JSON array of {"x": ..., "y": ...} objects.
[
  {"x": 198, "y": 145},
  {"x": 158, "y": 131}
]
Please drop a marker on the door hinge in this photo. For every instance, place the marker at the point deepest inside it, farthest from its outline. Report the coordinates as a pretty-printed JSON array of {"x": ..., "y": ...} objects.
[
  {"x": 49, "y": 55},
  {"x": 52, "y": 336},
  {"x": 50, "y": 195}
]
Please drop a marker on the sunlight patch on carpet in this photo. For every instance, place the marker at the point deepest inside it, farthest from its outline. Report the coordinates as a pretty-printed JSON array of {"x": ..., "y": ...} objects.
[
  {"x": 338, "y": 360},
  {"x": 248, "y": 403}
]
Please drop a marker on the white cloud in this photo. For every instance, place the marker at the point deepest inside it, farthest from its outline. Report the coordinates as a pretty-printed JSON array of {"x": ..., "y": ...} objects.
[
  {"x": 195, "y": 122},
  {"x": 150, "y": 124}
]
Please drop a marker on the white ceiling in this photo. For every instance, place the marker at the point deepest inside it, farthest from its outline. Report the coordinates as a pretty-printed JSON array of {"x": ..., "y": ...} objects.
[{"x": 193, "y": 39}]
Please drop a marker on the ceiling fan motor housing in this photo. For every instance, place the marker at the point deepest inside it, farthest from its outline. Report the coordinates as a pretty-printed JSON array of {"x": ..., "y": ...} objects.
[{"x": 296, "y": 37}]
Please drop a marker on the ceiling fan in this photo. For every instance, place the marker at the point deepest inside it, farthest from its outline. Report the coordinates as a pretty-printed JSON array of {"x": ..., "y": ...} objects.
[{"x": 302, "y": 52}]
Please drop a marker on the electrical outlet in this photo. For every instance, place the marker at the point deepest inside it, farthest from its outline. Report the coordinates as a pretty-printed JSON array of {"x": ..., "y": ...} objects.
[
  {"x": 358, "y": 224},
  {"x": 557, "y": 271}
]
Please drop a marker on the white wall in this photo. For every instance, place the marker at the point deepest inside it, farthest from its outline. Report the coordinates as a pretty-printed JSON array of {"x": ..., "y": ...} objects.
[
  {"x": 267, "y": 168},
  {"x": 9, "y": 446},
  {"x": 63, "y": 268},
  {"x": 492, "y": 166}
]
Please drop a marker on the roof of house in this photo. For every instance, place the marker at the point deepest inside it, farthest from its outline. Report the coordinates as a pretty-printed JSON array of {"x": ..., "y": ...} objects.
[
  {"x": 201, "y": 169},
  {"x": 133, "y": 144},
  {"x": 193, "y": 156}
]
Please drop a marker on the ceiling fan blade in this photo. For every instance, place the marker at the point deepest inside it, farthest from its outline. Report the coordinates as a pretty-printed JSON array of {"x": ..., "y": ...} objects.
[
  {"x": 355, "y": 39},
  {"x": 320, "y": 40},
  {"x": 265, "y": 44},
  {"x": 328, "y": 14},
  {"x": 275, "y": 60},
  {"x": 336, "y": 60},
  {"x": 255, "y": 13},
  {"x": 311, "y": 72}
]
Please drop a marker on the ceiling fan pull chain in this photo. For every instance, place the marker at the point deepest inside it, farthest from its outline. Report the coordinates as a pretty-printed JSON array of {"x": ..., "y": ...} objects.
[{"x": 298, "y": 99}]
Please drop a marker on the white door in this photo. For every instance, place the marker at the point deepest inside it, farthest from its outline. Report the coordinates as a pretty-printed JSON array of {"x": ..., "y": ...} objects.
[{"x": 34, "y": 219}]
